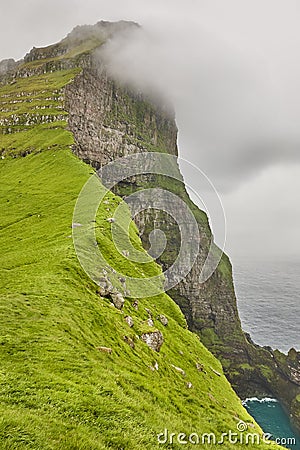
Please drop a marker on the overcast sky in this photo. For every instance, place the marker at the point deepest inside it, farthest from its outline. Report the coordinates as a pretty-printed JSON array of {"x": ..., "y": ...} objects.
[{"x": 232, "y": 70}]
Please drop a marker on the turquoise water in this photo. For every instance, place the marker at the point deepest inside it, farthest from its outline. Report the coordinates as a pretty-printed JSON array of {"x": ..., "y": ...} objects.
[{"x": 272, "y": 418}]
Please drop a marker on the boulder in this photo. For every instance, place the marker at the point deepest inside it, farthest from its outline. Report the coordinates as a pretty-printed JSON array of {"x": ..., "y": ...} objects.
[
  {"x": 150, "y": 322},
  {"x": 118, "y": 300},
  {"x": 154, "y": 340},
  {"x": 216, "y": 372},
  {"x": 163, "y": 320},
  {"x": 105, "y": 287},
  {"x": 135, "y": 304},
  {"x": 129, "y": 321},
  {"x": 178, "y": 369},
  {"x": 199, "y": 367},
  {"x": 105, "y": 350}
]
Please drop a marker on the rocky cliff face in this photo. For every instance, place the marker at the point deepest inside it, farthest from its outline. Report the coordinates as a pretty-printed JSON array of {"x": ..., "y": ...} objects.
[{"x": 109, "y": 121}]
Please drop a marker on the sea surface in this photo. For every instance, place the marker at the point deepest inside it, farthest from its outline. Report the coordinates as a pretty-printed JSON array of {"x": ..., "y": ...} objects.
[
  {"x": 268, "y": 294},
  {"x": 270, "y": 415}
]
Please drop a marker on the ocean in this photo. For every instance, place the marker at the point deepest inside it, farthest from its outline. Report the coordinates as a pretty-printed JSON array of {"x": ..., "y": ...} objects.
[
  {"x": 272, "y": 418},
  {"x": 268, "y": 295}
]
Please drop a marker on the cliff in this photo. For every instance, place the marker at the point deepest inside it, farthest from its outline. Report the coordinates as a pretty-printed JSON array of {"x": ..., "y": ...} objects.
[
  {"x": 68, "y": 85},
  {"x": 108, "y": 121}
]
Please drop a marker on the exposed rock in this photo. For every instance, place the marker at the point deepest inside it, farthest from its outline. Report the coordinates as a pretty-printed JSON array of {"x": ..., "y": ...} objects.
[
  {"x": 154, "y": 340},
  {"x": 148, "y": 312},
  {"x": 150, "y": 323},
  {"x": 7, "y": 66},
  {"x": 105, "y": 288},
  {"x": 216, "y": 372},
  {"x": 163, "y": 320},
  {"x": 129, "y": 321},
  {"x": 102, "y": 291},
  {"x": 135, "y": 304},
  {"x": 154, "y": 367},
  {"x": 178, "y": 369},
  {"x": 129, "y": 341},
  {"x": 118, "y": 300},
  {"x": 105, "y": 349},
  {"x": 199, "y": 367}
]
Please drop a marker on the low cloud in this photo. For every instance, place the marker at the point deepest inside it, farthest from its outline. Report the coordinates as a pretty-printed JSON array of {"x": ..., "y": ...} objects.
[
  {"x": 232, "y": 71},
  {"x": 236, "y": 108}
]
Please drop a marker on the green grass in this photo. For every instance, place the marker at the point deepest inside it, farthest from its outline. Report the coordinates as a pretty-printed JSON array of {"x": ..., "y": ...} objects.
[
  {"x": 41, "y": 137},
  {"x": 57, "y": 391},
  {"x": 39, "y": 84},
  {"x": 37, "y": 128}
]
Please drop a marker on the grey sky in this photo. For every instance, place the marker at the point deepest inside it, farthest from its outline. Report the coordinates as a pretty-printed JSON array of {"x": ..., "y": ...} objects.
[{"x": 232, "y": 70}]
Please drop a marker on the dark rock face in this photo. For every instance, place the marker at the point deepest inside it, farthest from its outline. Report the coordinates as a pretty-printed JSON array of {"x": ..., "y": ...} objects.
[
  {"x": 52, "y": 51},
  {"x": 110, "y": 121},
  {"x": 7, "y": 69},
  {"x": 7, "y": 65}
]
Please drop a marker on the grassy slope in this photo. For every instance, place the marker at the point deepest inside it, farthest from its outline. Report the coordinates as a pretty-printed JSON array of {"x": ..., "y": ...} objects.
[{"x": 57, "y": 390}]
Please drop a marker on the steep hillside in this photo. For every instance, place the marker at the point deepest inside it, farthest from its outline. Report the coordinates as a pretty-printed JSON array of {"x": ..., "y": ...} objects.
[{"x": 60, "y": 389}]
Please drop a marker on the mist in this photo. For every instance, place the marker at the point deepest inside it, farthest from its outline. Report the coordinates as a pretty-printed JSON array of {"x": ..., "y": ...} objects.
[{"x": 232, "y": 71}]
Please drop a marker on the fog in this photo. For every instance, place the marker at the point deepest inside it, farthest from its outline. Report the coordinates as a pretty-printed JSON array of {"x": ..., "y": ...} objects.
[{"x": 232, "y": 71}]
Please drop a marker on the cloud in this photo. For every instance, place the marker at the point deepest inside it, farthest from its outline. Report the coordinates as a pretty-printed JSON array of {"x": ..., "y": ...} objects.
[
  {"x": 263, "y": 216},
  {"x": 236, "y": 112},
  {"x": 232, "y": 70}
]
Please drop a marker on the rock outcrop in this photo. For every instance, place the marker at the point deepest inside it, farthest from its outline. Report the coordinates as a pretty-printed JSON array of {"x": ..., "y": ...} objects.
[{"x": 154, "y": 340}]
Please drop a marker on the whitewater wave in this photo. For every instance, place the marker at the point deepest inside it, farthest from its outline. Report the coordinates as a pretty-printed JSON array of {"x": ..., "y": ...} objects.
[{"x": 259, "y": 400}]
